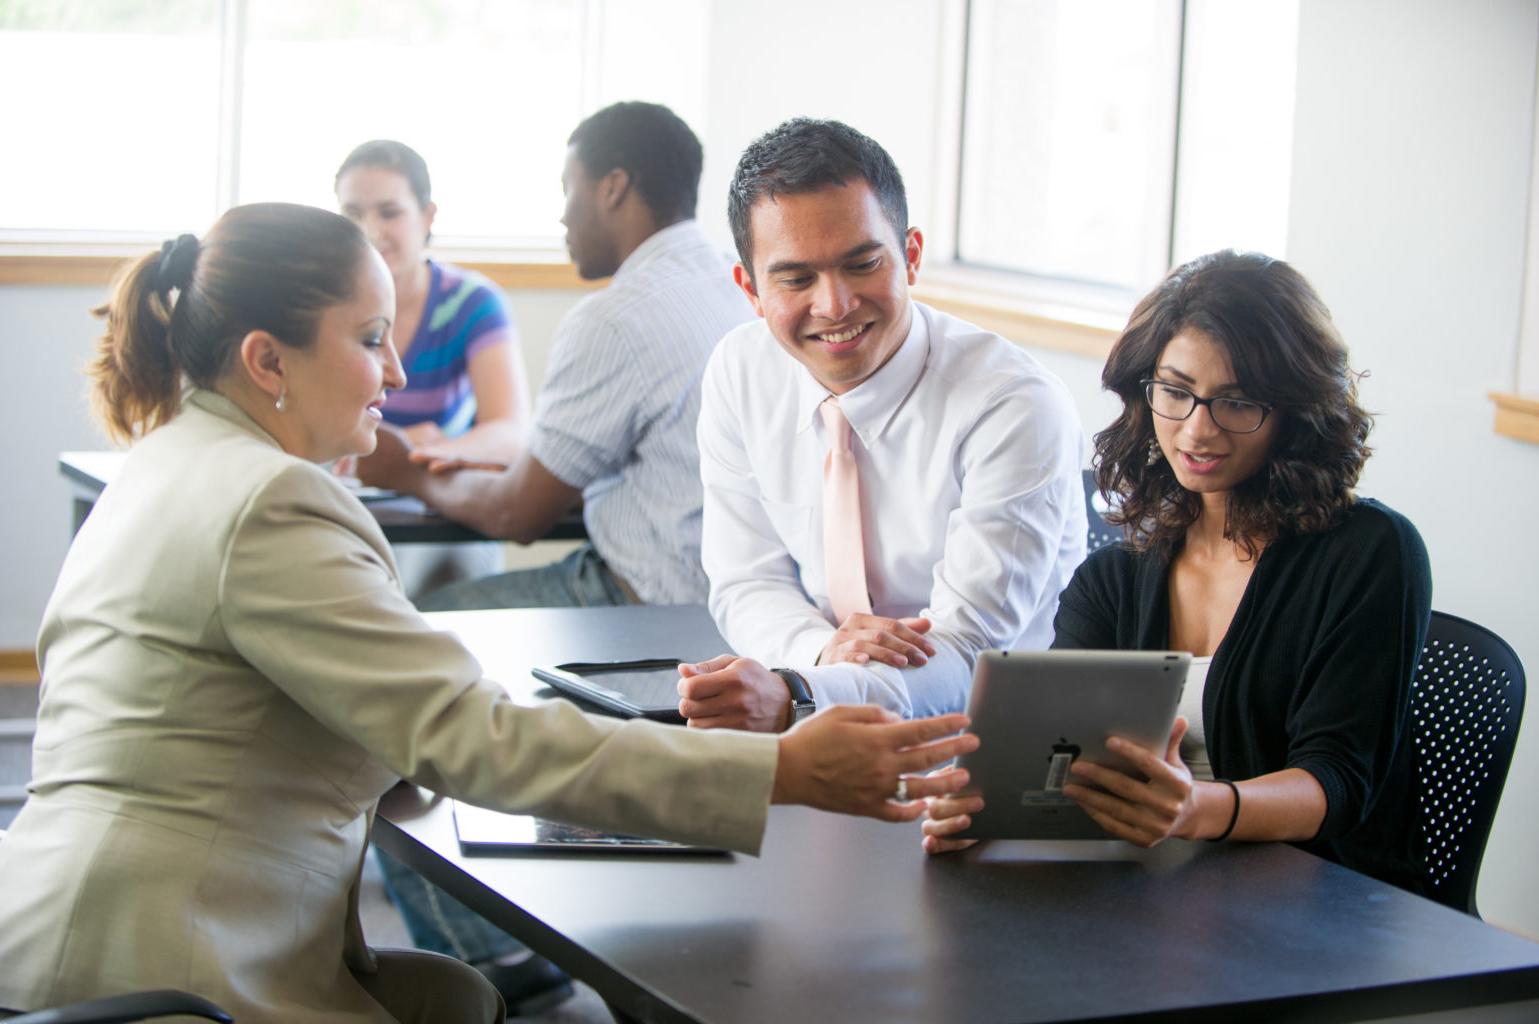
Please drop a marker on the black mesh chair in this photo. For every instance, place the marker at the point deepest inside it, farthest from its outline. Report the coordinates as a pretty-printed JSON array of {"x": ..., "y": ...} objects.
[
  {"x": 1466, "y": 705},
  {"x": 1101, "y": 533}
]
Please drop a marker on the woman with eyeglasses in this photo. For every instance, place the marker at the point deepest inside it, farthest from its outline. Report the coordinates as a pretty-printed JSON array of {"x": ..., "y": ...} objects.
[{"x": 1232, "y": 467}]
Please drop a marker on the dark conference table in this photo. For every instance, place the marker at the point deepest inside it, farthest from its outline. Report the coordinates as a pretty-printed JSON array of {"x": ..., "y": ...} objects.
[
  {"x": 404, "y": 519},
  {"x": 845, "y": 919}
]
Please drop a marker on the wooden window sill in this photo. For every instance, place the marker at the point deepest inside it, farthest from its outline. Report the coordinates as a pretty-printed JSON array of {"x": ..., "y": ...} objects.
[
  {"x": 1034, "y": 325},
  {"x": 18, "y": 667},
  {"x": 1517, "y": 416},
  {"x": 92, "y": 264},
  {"x": 977, "y": 297}
]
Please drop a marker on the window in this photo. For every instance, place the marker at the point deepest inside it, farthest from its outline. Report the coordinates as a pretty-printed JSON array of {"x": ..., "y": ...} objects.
[
  {"x": 1068, "y": 138},
  {"x": 1234, "y": 172},
  {"x": 106, "y": 99},
  {"x": 1104, "y": 140},
  {"x": 191, "y": 106}
]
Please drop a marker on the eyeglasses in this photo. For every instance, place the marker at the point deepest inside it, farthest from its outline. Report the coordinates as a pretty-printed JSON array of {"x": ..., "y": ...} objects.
[{"x": 1236, "y": 415}]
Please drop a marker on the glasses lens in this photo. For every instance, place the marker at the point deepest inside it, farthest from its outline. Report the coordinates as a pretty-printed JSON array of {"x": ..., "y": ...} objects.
[
  {"x": 1237, "y": 416},
  {"x": 1168, "y": 400}
]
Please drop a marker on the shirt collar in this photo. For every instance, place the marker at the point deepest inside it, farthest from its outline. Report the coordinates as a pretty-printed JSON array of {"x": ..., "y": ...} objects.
[
  {"x": 871, "y": 404},
  {"x": 684, "y": 232}
]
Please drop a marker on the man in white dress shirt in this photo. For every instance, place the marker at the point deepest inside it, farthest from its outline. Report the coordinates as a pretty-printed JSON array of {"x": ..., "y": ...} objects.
[
  {"x": 872, "y": 573},
  {"x": 614, "y": 421}
]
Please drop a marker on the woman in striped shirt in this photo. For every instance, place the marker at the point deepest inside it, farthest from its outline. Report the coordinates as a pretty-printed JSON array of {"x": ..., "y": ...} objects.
[{"x": 467, "y": 390}]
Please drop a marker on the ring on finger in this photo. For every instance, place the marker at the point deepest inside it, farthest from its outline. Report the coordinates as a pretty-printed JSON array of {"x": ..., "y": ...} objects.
[{"x": 902, "y": 792}]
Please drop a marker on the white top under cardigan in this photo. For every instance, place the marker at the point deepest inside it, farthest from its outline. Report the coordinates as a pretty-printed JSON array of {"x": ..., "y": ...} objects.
[{"x": 1194, "y": 745}]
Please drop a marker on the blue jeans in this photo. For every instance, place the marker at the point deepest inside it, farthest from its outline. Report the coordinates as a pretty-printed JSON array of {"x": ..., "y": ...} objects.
[
  {"x": 580, "y": 580},
  {"x": 435, "y": 919}
]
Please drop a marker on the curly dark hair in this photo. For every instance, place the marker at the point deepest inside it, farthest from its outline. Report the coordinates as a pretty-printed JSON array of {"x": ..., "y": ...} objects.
[{"x": 1285, "y": 350}]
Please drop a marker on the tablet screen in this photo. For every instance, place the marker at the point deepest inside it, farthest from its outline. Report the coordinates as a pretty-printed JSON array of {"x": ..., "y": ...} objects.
[{"x": 647, "y": 687}]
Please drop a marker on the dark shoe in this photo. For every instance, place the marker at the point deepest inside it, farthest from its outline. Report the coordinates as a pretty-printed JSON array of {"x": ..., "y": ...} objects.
[{"x": 532, "y": 985}]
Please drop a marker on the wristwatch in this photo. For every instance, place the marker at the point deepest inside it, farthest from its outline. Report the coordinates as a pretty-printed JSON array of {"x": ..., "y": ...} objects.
[{"x": 802, "y": 703}]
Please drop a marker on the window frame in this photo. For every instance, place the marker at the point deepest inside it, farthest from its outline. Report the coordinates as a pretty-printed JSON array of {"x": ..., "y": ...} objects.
[{"x": 1088, "y": 303}]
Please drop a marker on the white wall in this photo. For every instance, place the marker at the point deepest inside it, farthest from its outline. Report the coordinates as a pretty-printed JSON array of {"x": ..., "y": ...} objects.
[{"x": 45, "y": 341}]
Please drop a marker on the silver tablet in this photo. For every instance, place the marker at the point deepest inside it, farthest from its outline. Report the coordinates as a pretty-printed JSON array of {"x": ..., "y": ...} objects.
[{"x": 1037, "y": 711}]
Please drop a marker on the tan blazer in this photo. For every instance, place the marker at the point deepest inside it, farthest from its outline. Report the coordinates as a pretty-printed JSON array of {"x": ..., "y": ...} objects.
[{"x": 231, "y": 679}]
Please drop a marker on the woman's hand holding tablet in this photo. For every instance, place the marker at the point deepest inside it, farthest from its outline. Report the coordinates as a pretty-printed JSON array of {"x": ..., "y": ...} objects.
[
  {"x": 1165, "y": 803},
  {"x": 1144, "y": 812}
]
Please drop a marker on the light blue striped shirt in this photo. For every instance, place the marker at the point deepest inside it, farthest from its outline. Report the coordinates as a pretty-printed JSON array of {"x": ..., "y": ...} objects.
[{"x": 616, "y": 415}]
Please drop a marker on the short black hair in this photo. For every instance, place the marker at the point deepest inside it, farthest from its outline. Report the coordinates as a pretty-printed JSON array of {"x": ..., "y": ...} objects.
[
  {"x": 805, "y": 155},
  {"x": 392, "y": 156},
  {"x": 650, "y": 143}
]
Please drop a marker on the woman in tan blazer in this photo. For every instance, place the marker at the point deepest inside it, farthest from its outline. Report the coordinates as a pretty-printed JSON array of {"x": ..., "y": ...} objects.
[{"x": 232, "y": 677}]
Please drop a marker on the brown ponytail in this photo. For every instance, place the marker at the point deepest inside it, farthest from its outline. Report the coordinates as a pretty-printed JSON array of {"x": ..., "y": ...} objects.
[
  {"x": 136, "y": 384},
  {"x": 272, "y": 267}
]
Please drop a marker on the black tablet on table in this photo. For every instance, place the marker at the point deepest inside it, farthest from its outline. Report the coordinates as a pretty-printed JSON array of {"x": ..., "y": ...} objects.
[
  {"x": 643, "y": 688},
  {"x": 482, "y": 831}
]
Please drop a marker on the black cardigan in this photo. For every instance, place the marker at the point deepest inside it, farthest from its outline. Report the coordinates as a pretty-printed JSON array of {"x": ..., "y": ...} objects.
[{"x": 1314, "y": 673}]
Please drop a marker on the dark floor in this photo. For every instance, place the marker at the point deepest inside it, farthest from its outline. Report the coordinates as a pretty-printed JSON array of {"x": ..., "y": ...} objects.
[{"x": 381, "y": 923}]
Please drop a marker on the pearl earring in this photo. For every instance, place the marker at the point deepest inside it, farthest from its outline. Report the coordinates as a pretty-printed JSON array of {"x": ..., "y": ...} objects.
[
  {"x": 281, "y": 404},
  {"x": 1154, "y": 452}
]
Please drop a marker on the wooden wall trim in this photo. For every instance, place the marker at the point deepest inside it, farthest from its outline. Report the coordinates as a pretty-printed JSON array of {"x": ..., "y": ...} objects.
[
  {"x": 18, "y": 667},
  {"x": 1034, "y": 325},
  {"x": 1517, "y": 416}
]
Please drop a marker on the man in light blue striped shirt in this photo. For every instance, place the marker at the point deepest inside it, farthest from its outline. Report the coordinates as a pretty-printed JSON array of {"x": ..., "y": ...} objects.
[
  {"x": 614, "y": 426},
  {"x": 614, "y": 422}
]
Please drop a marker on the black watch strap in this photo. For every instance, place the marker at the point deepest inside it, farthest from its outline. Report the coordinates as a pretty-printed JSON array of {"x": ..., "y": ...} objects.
[{"x": 802, "y": 703}]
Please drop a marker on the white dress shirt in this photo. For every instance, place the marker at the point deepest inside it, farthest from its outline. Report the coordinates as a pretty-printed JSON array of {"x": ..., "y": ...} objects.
[
  {"x": 973, "y": 512},
  {"x": 616, "y": 414}
]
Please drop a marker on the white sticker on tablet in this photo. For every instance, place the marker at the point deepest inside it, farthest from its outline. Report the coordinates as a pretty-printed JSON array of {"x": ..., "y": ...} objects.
[{"x": 1057, "y": 772}]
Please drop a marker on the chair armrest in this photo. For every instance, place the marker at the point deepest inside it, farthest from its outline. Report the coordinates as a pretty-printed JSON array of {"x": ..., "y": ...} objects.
[{"x": 165, "y": 1002}]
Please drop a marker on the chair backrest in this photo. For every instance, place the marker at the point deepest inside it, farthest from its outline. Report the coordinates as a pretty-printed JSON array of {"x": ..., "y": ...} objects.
[
  {"x": 1466, "y": 705},
  {"x": 1101, "y": 532}
]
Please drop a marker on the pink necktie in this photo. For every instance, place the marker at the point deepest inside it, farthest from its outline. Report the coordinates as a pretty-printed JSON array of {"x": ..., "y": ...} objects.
[{"x": 844, "y": 552}]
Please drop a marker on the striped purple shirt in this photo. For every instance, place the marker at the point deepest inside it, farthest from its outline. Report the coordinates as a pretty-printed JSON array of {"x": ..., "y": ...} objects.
[{"x": 464, "y": 314}]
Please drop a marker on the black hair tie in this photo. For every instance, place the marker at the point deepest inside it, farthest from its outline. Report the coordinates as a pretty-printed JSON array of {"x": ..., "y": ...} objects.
[{"x": 177, "y": 258}]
